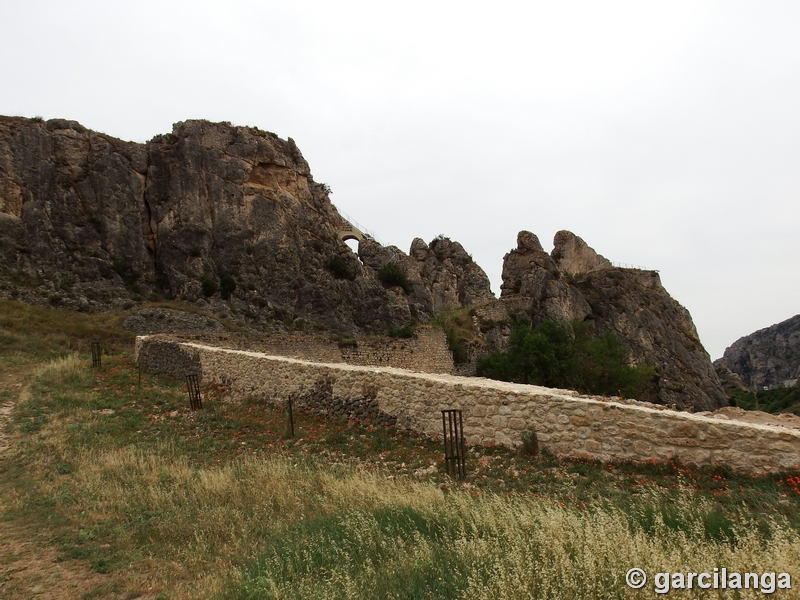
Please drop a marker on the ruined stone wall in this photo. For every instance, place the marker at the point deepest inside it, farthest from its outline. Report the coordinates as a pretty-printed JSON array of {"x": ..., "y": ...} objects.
[
  {"x": 494, "y": 412},
  {"x": 427, "y": 352}
]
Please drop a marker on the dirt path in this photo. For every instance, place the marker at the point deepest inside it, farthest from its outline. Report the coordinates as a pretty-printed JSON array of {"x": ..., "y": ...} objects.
[
  {"x": 18, "y": 386},
  {"x": 31, "y": 569},
  {"x": 30, "y": 566}
]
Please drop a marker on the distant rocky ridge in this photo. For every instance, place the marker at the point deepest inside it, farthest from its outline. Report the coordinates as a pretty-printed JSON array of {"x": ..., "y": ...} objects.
[
  {"x": 768, "y": 357},
  {"x": 230, "y": 219}
]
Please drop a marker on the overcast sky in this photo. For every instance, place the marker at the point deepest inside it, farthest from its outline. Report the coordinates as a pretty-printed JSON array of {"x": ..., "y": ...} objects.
[{"x": 666, "y": 135}]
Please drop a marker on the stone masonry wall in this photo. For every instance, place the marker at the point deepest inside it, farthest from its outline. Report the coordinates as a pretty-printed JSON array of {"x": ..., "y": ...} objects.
[
  {"x": 426, "y": 352},
  {"x": 494, "y": 412}
]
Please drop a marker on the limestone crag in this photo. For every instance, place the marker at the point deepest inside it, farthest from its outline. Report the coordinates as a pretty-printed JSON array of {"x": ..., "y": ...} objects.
[
  {"x": 768, "y": 357},
  {"x": 574, "y": 256},
  {"x": 226, "y": 217},
  {"x": 230, "y": 219},
  {"x": 574, "y": 283}
]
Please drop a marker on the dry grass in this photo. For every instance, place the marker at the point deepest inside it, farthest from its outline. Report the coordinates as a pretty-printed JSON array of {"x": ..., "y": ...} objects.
[
  {"x": 144, "y": 511},
  {"x": 498, "y": 548}
]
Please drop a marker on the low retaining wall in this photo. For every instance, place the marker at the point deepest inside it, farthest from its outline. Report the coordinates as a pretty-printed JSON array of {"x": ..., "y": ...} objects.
[
  {"x": 427, "y": 351},
  {"x": 494, "y": 412}
]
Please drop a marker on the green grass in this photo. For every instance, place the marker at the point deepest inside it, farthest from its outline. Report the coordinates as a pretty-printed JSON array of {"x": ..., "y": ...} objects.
[{"x": 125, "y": 481}]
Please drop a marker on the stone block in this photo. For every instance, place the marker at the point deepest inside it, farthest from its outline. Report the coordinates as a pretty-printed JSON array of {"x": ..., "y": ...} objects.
[
  {"x": 498, "y": 421},
  {"x": 684, "y": 430},
  {"x": 479, "y": 410},
  {"x": 592, "y": 446},
  {"x": 784, "y": 446},
  {"x": 517, "y": 424}
]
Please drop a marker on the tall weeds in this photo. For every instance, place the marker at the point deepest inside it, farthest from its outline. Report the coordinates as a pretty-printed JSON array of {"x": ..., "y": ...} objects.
[
  {"x": 291, "y": 526},
  {"x": 464, "y": 547}
]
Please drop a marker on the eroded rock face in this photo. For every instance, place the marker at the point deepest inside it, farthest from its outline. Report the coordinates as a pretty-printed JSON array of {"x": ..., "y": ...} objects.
[
  {"x": 574, "y": 256},
  {"x": 227, "y": 217},
  {"x": 150, "y": 321},
  {"x": 230, "y": 219},
  {"x": 768, "y": 357},
  {"x": 731, "y": 382},
  {"x": 576, "y": 283},
  {"x": 448, "y": 274},
  {"x": 72, "y": 206}
]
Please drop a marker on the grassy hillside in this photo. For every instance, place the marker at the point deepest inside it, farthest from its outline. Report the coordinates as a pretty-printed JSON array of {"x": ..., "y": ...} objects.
[{"x": 112, "y": 488}]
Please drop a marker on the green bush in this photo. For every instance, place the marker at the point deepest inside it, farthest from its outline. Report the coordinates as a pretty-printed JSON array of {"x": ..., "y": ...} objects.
[
  {"x": 530, "y": 442},
  {"x": 227, "y": 285},
  {"x": 347, "y": 342},
  {"x": 392, "y": 274},
  {"x": 406, "y": 331},
  {"x": 209, "y": 286},
  {"x": 545, "y": 356},
  {"x": 564, "y": 356},
  {"x": 338, "y": 266},
  {"x": 129, "y": 275},
  {"x": 781, "y": 400}
]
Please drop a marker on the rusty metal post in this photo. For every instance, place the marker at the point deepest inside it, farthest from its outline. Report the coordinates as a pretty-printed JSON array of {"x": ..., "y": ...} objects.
[
  {"x": 454, "y": 453},
  {"x": 96, "y": 355},
  {"x": 291, "y": 417},
  {"x": 193, "y": 385}
]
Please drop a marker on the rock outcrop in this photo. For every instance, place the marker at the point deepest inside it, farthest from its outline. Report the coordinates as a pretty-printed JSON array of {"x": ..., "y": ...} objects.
[
  {"x": 768, "y": 357},
  {"x": 148, "y": 321},
  {"x": 574, "y": 283},
  {"x": 231, "y": 220},
  {"x": 226, "y": 217}
]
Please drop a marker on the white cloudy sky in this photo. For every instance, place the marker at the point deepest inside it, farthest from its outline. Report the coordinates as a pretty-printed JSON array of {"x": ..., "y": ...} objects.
[{"x": 666, "y": 134}]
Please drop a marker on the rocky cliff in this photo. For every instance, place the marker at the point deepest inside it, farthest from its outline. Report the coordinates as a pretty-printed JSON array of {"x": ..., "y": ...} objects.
[
  {"x": 231, "y": 220},
  {"x": 768, "y": 357},
  {"x": 574, "y": 283},
  {"x": 226, "y": 217}
]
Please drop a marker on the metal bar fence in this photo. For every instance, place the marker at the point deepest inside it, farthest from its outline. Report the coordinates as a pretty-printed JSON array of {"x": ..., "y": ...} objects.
[
  {"x": 193, "y": 386},
  {"x": 97, "y": 356},
  {"x": 454, "y": 453}
]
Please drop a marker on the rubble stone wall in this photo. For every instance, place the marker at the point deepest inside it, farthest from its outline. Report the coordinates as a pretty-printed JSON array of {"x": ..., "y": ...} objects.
[
  {"x": 426, "y": 352},
  {"x": 494, "y": 412}
]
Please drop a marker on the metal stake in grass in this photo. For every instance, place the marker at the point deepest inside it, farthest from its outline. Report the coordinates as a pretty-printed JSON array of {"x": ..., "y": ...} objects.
[
  {"x": 453, "y": 429},
  {"x": 193, "y": 385},
  {"x": 96, "y": 355},
  {"x": 291, "y": 417}
]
